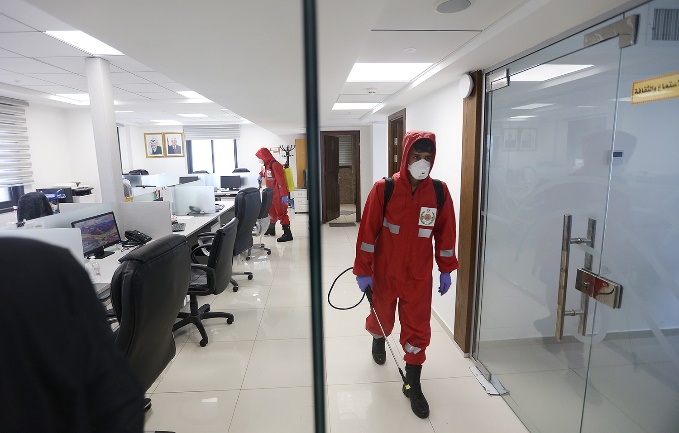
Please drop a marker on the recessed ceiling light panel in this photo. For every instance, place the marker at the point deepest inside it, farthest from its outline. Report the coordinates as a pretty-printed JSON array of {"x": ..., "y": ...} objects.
[
  {"x": 385, "y": 72},
  {"x": 85, "y": 42},
  {"x": 192, "y": 115},
  {"x": 354, "y": 105},
  {"x": 451, "y": 6}
]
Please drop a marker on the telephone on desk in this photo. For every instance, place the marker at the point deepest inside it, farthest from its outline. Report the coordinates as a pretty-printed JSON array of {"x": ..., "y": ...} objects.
[{"x": 136, "y": 237}]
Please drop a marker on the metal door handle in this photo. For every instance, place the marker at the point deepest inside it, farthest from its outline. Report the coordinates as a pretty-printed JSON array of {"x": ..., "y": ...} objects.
[{"x": 566, "y": 242}]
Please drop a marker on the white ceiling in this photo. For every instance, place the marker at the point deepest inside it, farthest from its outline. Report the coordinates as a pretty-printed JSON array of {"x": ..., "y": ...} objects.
[{"x": 248, "y": 56}]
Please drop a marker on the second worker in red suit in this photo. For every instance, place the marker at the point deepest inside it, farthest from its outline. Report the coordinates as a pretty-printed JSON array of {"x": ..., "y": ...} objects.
[
  {"x": 275, "y": 179},
  {"x": 394, "y": 256}
]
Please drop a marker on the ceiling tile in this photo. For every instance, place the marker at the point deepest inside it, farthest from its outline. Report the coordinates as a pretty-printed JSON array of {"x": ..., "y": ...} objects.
[
  {"x": 156, "y": 77},
  {"x": 127, "y": 63},
  {"x": 21, "y": 80},
  {"x": 24, "y": 65},
  {"x": 32, "y": 16},
  {"x": 362, "y": 98},
  {"x": 5, "y": 53},
  {"x": 70, "y": 80},
  {"x": 7, "y": 25},
  {"x": 387, "y": 47},
  {"x": 52, "y": 89},
  {"x": 70, "y": 63},
  {"x": 175, "y": 87},
  {"x": 361, "y": 88},
  {"x": 122, "y": 95},
  {"x": 141, "y": 87},
  {"x": 411, "y": 15},
  {"x": 161, "y": 95},
  {"x": 127, "y": 78},
  {"x": 37, "y": 44}
]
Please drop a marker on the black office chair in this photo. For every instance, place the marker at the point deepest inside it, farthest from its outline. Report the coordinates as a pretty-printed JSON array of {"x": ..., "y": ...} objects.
[
  {"x": 139, "y": 171},
  {"x": 210, "y": 279},
  {"x": 200, "y": 172},
  {"x": 241, "y": 170},
  {"x": 33, "y": 205},
  {"x": 263, "y": 219},
  {"x": 246, "y": 208},
  {"x": 147, "y": 292}
]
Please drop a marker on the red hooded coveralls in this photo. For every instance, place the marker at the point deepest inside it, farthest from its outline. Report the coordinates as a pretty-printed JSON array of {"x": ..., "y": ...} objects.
[
  {"x": 396, "y": 249},
  {"x": 275, "y": 179}
]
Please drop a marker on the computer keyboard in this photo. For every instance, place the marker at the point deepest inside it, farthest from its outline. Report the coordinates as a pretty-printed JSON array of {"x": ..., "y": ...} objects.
[{"x": 178, "y": 227}]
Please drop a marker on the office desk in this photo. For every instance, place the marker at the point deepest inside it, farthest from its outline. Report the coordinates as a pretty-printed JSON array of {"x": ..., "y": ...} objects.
[{"x": 194, "y": 225}]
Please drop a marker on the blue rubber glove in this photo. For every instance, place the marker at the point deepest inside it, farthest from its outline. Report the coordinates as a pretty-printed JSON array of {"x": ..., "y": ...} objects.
[
  {"x": 364, "y": 282},
  {"x": 444, "y": 283},
  {"x": 259, "y": 180},
  {"x": 284, "y": 199}
]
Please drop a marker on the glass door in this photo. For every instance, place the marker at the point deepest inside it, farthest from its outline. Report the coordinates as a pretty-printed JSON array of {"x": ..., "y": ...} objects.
[
  {"x": 634, "y": 362},
  {"x": 549, "y": 133}
]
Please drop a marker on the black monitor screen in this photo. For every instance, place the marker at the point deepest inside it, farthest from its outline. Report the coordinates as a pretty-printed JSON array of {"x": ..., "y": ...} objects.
[
  {"x": 65, "y": 195},
  {"x": 98, "y": 232},
  {"x": 230, "y": 182},
  {"x": 187, "y": 179}
]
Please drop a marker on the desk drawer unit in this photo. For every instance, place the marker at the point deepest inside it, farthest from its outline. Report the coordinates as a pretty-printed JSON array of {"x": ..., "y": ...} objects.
[{"x": 300, "y": 198}]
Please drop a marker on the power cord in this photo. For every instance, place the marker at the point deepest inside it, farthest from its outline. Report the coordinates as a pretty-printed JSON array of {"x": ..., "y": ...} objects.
[{"x": 333, "y": 286}]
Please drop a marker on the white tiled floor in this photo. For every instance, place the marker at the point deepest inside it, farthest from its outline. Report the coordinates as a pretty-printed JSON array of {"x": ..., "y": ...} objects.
[{"x": 255, "y": 374}]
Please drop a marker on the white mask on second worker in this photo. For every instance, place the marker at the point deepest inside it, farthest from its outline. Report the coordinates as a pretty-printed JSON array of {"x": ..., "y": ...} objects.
[
  {"x": 419, "y": 169},
  {"x": 260, "y": 161}
]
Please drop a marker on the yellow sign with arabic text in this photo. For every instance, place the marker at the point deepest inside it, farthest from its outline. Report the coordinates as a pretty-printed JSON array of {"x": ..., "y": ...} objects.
[{"x": 656, "y": 89}]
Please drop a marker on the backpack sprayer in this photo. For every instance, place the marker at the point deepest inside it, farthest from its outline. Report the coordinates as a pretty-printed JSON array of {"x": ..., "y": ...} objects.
[{"x": 369, "y": 294}]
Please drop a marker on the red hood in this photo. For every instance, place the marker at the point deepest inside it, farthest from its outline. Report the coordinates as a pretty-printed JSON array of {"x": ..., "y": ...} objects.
[
  {"x": 264, "y": 155},
  {"x": 410, "y": 138}
]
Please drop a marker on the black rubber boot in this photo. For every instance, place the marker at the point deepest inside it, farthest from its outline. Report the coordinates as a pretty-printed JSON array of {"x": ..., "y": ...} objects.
[
  {"x": 418, "y": 403},
  {"x": 287, "y": 234},
  {"x": 379, "y": 354},
  {"x": 271, "y": 231}
]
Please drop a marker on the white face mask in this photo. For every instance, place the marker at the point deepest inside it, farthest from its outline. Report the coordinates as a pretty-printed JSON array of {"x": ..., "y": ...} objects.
[
  {"x": 260, "y": 161},
  {"x": 419, "y": 169}
]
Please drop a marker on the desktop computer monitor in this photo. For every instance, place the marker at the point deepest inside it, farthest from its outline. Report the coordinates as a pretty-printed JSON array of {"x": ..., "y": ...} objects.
[
  {"x": 230, "y": 182},
  {"x": 98, "y": 232},
  {"x": 187, "y": 179}
]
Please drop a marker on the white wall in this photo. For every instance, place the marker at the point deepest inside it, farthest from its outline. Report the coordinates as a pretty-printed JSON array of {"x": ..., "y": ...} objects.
[
  {"x": 48, "y": 139},
  {"x": 81, "y": 149},
  {"x": 441, "y": 113},
  {"x": 380, "y": 153}
]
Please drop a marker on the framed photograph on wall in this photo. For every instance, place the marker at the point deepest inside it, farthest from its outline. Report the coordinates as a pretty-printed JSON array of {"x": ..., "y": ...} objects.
[
  {"x": 174, "y": 143},
  {"x": 528, "y": 139},
  {"x": 153, "y": 142},
  {"x": 510, "y": 139}
]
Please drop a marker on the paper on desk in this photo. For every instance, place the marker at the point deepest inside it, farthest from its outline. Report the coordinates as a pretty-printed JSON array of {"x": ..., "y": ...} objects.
[{"x": 184, "y": 217}]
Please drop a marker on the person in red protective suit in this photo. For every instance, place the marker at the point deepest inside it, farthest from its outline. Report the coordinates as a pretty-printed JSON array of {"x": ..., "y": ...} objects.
[
  {"x": 394, "y": 256},
  {"x": 275, "y": 179}
]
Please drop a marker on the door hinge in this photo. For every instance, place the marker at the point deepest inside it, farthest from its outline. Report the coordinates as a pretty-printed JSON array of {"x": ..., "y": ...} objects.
[{"x": 625, "y": 30}]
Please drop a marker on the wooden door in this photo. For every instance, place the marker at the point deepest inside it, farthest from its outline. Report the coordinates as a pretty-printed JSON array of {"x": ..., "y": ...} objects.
[
  {"x": 397, "y": 123},
  {"x": 330, "y": 175}
]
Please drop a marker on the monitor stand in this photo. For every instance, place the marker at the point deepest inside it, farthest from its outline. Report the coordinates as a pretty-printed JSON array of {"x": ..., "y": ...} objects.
[{"x": 101, "y": 253}]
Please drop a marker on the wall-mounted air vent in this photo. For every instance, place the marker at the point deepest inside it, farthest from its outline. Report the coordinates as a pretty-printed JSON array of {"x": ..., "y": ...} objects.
[{"x": 665, "y": 24}]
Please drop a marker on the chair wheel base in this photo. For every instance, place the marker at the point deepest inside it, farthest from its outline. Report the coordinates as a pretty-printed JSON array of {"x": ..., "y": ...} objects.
[
  {"x": 250, "y": 277},
  {"x": 268, "y": 253},
  {"x": 203, "y": 342},
  {"x": 229, "y": 321}
]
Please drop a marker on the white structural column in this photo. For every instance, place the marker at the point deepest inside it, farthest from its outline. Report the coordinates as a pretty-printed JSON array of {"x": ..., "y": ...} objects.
[{"x": 104, "y": 125}]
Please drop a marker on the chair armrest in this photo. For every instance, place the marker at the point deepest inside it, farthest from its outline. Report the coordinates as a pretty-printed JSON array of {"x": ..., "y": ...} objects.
[
  {"x": 206, "y": 235},
  {"x": 205, "y": 248},
  {"x": 210, "y": 273}
]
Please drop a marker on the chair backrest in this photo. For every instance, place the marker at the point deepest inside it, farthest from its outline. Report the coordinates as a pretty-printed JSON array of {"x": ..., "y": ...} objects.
[
  {"x": 33, "y": 205},
  {"x": 221, "y": 254},
  {"x": 247, "y": 207},
  {"x": 267, "y": 198},
  {"x": 147, "y": 292}
]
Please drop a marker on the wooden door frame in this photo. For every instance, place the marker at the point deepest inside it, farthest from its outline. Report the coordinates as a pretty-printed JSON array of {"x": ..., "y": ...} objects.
[
  {"x": 391, "y": 119},
  {"x": 470, "y": 208},
  {"x": 356, "y": 142}
]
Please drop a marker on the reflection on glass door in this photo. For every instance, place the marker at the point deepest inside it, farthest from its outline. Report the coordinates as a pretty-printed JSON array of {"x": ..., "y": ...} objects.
[{"x": 564, "y": 140}]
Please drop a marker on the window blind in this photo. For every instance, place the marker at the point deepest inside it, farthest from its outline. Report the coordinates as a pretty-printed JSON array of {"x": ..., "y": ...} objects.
[
  {"x": 211, "y": 132},
  {"x": 15, "y": 156},
  {"x": 346, "y": 151}
]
